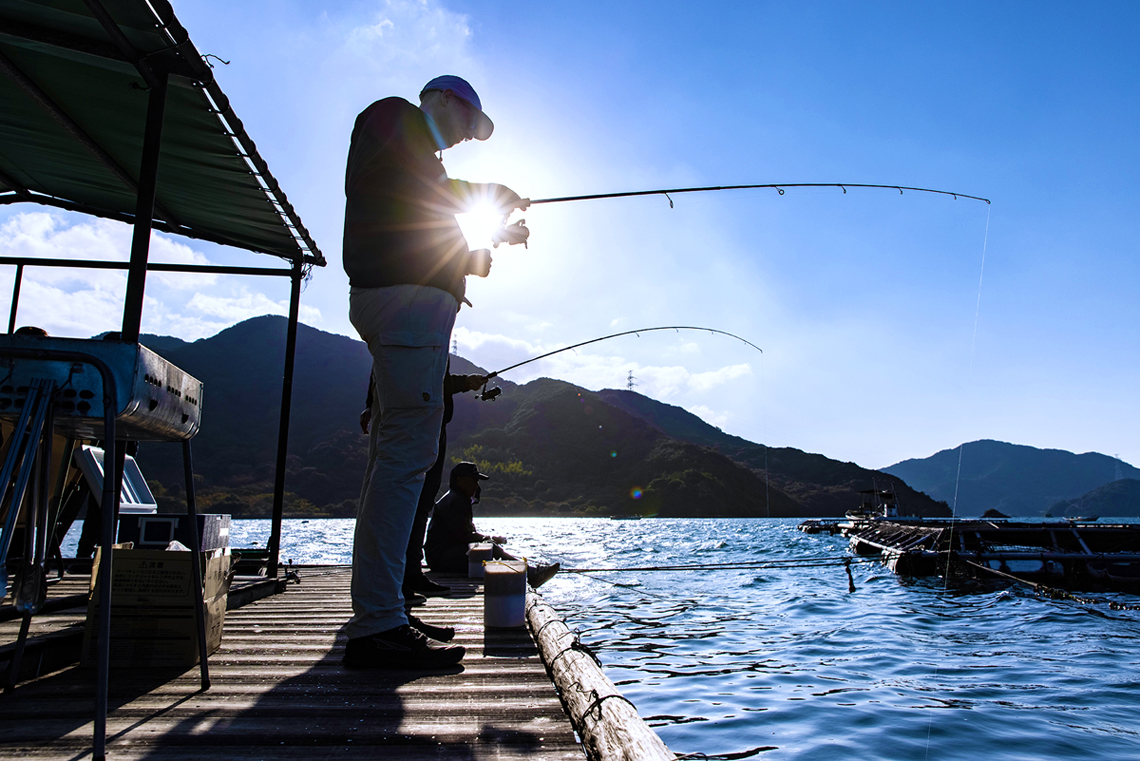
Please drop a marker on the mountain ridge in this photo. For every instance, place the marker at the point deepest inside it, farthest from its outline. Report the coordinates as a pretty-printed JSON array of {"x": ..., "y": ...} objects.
[
  {"x": 1014, "y": 479},
  {"x": 552, "y": 448}
]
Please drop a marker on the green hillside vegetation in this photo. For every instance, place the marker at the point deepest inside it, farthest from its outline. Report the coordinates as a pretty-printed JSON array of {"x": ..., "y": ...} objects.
[{"x": 551, "y": 448}]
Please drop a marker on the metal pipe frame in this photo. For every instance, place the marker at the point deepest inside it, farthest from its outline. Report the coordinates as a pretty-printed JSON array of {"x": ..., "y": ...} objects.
[
  {"x": 95, "y": 264},
  {"x": 15, "y": 297},
  {"x": 107, "y": 538},
  {"x": 144, "y": 210},
  {"x": 196, "y": 563},
  {"x": 283, "y": 427}
]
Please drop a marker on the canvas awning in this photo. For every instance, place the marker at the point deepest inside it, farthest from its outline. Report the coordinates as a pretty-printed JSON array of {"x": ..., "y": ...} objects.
[{"x": 73, "y": 113}]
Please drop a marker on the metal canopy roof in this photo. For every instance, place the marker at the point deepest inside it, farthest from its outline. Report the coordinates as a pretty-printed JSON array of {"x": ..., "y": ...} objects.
[{"x": 73, "y": 106}]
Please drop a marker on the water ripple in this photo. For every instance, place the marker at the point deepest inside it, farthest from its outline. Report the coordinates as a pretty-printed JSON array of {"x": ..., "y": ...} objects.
[{"x": 787, "y": 663}]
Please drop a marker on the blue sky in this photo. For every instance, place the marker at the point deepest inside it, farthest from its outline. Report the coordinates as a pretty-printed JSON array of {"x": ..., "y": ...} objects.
[{"x": 884, "y": 338}]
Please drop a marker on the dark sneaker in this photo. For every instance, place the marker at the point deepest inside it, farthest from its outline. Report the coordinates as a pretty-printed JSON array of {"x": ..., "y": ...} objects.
[
  {"x": 427, "y": 587},
  {"x": 400, "y": 648},
  {"x": 541, "y": 574},
  {"x": 411, "y": 599},
  {"x": 438, "y": 633}
]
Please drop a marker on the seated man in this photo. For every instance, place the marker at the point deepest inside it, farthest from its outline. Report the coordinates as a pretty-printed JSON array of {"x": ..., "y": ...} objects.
[{"x": 453, "y": 528}]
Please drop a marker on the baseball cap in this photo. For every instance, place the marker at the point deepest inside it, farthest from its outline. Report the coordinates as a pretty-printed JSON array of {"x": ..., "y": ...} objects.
[
  {"x": 468, "y": 469},
  {"x": 484, "y": 126}
]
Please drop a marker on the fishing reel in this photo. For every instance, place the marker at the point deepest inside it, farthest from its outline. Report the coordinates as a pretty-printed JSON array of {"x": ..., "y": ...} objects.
[
  {"x": 510, "y": 234},
  {"x": 490, "y": 394}
]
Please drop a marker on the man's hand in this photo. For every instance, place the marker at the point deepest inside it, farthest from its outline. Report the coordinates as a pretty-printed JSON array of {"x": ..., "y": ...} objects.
[
  {"x": 499, "y": 539},
  {"x": 479, "y": 262},
  {"x": 365, "y": 419},
  {"x": 475, "y": 382}
]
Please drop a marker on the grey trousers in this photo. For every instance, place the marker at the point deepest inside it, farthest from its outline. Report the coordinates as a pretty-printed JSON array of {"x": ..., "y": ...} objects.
[{"x": 407, "y": 329}]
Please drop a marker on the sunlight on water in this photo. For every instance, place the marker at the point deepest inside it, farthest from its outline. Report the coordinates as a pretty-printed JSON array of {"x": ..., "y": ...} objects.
[{"x": 723, "y": 662}]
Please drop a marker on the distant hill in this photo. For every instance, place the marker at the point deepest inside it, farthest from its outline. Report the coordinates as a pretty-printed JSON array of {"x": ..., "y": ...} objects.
[
  {"x": 1014, "y": 479},
  {"x": 823, "y": 486},
  {"x": 1118, "y": 499},
  {"x": 552, "y": 448}
]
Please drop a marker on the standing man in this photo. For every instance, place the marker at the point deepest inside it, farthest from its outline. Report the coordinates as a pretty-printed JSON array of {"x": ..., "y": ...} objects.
[{"x": 407, "y": 261}]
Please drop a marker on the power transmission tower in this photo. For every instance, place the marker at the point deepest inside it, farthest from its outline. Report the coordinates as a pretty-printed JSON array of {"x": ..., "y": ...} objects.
[
  {"x": 629, "y": 384},
  {"x": 455, "y": 346}
]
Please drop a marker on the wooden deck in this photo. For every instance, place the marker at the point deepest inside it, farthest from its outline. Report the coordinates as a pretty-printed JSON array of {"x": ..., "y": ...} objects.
[{"x": 279, "y": 692}]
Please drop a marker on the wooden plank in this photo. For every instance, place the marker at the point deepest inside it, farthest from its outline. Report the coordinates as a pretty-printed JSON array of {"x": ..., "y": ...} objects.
[{"x": 279, "y": 692}]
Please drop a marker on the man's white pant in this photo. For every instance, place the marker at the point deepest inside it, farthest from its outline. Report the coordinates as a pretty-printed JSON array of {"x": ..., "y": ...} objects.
[{"x": 407, "y": 329}]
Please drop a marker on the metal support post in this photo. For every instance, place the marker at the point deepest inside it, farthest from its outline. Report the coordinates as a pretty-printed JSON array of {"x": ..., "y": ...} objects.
[
  {"x": 15, "y": 298},
  {"x": 196, "y": 549},
  {"x": 283, "y": 429},
  {"x": 144, "y": 209}
]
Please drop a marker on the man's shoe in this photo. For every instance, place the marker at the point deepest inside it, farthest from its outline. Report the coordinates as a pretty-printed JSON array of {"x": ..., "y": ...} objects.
[
  {"x": 438, "y": 633},
  {"x": 541, "y": 574},
  {"x": 411, "y": 599},
  {"x": 401, "y": 648},
  {"x": 426, "y": 586}
]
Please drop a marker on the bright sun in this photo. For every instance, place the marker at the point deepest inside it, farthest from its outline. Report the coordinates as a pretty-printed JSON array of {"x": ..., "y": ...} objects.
[{"x": 479, "y": 224}]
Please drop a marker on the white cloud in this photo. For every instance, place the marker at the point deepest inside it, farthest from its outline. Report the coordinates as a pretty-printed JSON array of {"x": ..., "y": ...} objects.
[
  {"x": 81, "y": 303},
  {"x": 77, "y": 313},
  {"x": 402, "y": 42},
  {"x": 712, "y": 417},
  {"x": 164, "y": 249},
  {"x": 709, "y": 380},
  {"x": 244, "y": 305}
]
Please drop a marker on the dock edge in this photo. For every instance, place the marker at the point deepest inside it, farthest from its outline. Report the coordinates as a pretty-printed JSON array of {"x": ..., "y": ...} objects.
[{"x": 607, "y": 723}]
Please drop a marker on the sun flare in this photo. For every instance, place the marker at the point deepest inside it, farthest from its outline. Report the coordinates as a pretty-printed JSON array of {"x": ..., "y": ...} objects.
[{"x": 479, "y": 224}]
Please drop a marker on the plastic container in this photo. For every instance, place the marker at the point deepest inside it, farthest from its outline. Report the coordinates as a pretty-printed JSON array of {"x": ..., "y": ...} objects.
[
  {"x": 504, "y": 593},
  {"x": 476, "y": 554}
]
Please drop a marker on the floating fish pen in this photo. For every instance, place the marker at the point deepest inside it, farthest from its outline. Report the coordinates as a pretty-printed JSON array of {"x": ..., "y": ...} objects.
[{"x": 1072, "y": 555}]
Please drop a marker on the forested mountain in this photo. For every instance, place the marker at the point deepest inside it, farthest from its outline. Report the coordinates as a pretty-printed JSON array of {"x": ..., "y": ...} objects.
[
  {"x": 1118, "y": 499},
  {"x": 1017, "y": 480},
  {"x": 551, "y": 448}
]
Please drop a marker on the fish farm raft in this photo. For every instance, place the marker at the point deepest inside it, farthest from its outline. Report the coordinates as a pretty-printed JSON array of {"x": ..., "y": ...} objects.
[{"x": 1067, "y": 554}]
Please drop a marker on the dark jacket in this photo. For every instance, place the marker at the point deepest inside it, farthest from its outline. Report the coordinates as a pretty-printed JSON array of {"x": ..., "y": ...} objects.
[
  {"x": 399, "y": 219},
  {"x": 452, "y": 529}
]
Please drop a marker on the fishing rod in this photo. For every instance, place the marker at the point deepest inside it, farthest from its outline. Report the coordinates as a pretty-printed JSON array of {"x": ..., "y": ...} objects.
[
  {"x": 777, "y": 186},
  {"x": 518, "y": 232},
  {"x": 489, "y": 395}
]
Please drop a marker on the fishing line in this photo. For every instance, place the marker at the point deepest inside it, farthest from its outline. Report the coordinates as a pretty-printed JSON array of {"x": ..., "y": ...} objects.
[
  {"x": 961, "y": 447},
  {"x": 630, "y": 587},
  {"x": 777, "y": 186},
  {"x": 637, "y": 332},
  {"x": 808, "y": 562}
]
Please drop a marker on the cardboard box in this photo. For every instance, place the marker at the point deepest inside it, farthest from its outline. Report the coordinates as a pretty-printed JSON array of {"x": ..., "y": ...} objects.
[{"x": 152, "y": 608}]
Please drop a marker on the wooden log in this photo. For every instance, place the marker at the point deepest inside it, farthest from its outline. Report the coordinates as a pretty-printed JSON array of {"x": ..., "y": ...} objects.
[{"x": 606, "y": 722}]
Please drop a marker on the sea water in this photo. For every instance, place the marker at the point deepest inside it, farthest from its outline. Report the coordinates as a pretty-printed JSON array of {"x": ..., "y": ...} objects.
[{"x": 788, "y": 663}]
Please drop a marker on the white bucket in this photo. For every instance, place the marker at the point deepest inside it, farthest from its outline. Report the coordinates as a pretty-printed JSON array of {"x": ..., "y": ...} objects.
[
  {"x": 504, "y": 593},
  {"x": 476, "y": 554}
]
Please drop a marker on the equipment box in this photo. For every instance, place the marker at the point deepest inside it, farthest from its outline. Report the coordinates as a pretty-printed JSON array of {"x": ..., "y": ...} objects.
[
  {"x": 153, "y": 620},
  {"x": 154, "y": 532}
]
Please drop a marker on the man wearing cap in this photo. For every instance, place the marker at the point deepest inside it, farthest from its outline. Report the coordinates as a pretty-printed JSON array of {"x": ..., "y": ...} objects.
[
  {"x": 453, "y": 528},
  {"x": 406, "y": 261}
]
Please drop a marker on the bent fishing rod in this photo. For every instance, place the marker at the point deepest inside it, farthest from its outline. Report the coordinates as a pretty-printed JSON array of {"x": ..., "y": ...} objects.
[
  {"x": 777, "y": 186},
  {"x": 518, "y": 232},
  {"x": 490, "y": 394}
]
